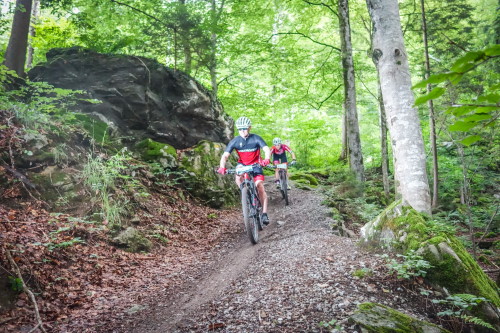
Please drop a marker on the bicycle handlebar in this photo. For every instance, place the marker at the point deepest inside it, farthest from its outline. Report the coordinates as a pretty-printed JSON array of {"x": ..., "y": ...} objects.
[{"x": 242, "y": 170}]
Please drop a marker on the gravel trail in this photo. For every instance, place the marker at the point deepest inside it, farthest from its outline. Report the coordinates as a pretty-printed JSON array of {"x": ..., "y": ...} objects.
[{"x": 296, "y": 279}]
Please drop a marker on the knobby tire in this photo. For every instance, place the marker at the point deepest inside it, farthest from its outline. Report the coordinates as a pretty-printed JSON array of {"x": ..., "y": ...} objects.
[
  {"x": 284, "y": 187},
  {"x": 249, "y": 215}
]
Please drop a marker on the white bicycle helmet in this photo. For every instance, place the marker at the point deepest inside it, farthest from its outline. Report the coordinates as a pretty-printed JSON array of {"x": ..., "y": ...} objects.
[
  {"x": 243, "y": 122},
  {"x": 276, "y": 141}
]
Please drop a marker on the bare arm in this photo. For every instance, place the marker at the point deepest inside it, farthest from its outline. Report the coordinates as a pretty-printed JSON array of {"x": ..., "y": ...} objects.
[
  {"x": 267, "y": 152},
  {"x": 223, "y": 159}
]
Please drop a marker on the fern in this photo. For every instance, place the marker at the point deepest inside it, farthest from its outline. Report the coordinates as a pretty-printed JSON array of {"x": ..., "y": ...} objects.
[
  {"x": 476, "y": 321},
  {"x": 461, "y": 303}
]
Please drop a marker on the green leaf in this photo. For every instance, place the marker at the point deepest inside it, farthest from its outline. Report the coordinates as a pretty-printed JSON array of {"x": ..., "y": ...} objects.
[
  {"x": 495, "y": 87},
  {"x": 434, "y": 93},
  {"x": 470, "y": 140},
  {"x": 461, "y": 110},
  {"x": 492, "y": 51},
  {"x": 490, "y": 98},
  {"x": 470, "y": 58},
  {"x": 456, "y": 79},
  {"x": 436, "y": 78},
  {"x": 461, "y": 126},
  {"x": 486, "y": 109},
  {"x": 477, "y": 117}
]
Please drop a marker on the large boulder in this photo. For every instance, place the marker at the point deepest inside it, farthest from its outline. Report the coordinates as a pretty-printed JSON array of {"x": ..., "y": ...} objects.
[{"x": 139, "y": 97}]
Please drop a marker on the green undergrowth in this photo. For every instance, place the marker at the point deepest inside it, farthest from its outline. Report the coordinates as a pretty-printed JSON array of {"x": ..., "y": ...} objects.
[
  {"x": 452, "y": 266},
  {"x": 351, "y": 201}
]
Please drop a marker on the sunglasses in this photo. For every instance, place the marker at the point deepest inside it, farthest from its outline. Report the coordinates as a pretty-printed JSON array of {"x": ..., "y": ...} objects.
[{"x": 242, "y": 129}]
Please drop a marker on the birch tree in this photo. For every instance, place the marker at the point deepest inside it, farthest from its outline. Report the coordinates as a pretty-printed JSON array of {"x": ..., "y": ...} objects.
[{"x": 389, "y": 55}]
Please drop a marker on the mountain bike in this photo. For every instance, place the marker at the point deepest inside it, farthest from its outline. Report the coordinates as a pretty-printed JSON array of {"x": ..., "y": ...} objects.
[
  {"x": 283, "y": 178},
  {"x": 250, "y": 202}
]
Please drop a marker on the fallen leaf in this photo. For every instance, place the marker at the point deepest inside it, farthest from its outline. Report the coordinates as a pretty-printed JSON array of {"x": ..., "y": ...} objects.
[{"x": 215, "y": 326}]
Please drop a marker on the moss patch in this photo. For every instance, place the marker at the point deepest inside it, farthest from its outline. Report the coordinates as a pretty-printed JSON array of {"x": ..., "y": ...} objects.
[
  {"x": 151, "y": 150},
  {"x": 373, "y": 317},
  {"x": 304, "y": 178}
]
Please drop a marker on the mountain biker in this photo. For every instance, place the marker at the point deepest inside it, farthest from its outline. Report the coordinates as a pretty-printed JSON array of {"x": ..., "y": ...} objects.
[
  {"x": 279, "y": 156},
  {"x": 248, "y": 148}
]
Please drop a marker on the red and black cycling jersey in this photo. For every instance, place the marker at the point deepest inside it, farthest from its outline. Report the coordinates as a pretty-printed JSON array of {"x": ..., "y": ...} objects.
[
  {"x": 280, "y": 154},
  {"x": 248, "y": 149}
]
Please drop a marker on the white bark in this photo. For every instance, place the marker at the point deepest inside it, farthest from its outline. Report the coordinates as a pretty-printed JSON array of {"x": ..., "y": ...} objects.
[{"x": 390, "y": 57}]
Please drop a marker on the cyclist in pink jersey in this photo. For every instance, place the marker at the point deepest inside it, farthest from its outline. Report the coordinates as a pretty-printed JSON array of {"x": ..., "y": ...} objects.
[
  {"x": 279, "y": 156},
  {"x": 248, "y": 148}
]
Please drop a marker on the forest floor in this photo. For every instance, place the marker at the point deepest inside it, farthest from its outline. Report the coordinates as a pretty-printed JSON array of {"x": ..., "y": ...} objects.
[{"x": 300, "y": 277}]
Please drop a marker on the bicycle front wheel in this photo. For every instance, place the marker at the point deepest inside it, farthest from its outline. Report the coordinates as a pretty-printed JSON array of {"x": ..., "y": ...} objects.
[
  {"x": 284, "y": 187},
  {"x": 249, "y": 215}
]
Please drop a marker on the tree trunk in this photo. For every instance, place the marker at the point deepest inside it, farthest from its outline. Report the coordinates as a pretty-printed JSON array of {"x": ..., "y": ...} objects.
[
  {"x": 353, "y": 140},
  {"x": 34, "y": 17},
  {"x": 389, "y": 55},
  {"x": 432, "y": 120},
  {"x": 213, "y": 50},
  {"x": 383, "y": 144},
  {"x": 15, "y": 56},
  {"x": 345, "y": 149},
  {"x": 186, "y": 47}
]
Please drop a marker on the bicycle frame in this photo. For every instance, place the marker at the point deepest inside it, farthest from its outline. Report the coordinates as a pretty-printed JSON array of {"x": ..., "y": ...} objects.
[
  {"x": 251, "y": 205},
  {"x": 283, "y": 180}
]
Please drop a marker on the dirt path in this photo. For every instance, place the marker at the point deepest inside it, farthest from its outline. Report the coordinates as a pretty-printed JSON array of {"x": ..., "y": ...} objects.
[{"x": 298, "y": 276}]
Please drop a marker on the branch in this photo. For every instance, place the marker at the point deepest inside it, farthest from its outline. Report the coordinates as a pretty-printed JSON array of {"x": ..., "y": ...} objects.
[
  {"x": 27, "y": 291},
  {"x": 140, "y": 11},
  {"x": 17, "y": 174},
  {"x": 489, "y": 223},
  {"x": 333, "y": 92},
  {"x": 322, "y": 4},
  {"x": 305, "y": 36},
  {"x": 364, "y": 85},
  {"x": 318, "y": 69},
  {"x": 320, "y": 104},
  {"x": 454, "y": 43}
]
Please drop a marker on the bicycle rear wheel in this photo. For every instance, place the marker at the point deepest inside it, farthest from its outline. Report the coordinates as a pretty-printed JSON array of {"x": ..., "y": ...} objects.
[
  {"x": 284, "y": 187},
  {"x": 249, "y": 215}
]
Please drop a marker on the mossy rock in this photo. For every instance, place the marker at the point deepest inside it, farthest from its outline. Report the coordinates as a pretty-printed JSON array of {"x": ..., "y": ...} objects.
[
  {"x": 304, "y": 178},
  {"x": 403, "y": 229},
  {"x": 58, "y": 186},
  {"x": 163, "y": 153},
  {"x": 377, "y": 318},
  {"x": 133, "y": 241},
  {"x": 200, "y": 163}
]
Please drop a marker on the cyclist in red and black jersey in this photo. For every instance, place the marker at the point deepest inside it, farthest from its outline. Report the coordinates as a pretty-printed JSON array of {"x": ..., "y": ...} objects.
[
  {"x": 279, "y": 156},
  {"x": 248, "y": 148}
]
